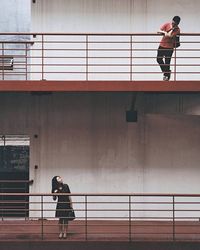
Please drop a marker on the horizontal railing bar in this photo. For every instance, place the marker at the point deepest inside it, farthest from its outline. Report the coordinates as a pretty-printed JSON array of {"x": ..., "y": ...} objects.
[
  {"x": 18, "y": 42},
  {"x": 96, "y": 72},
  {"x": 98, "y": 57},
  {"x": 14, "y": 181},
  {"x": 84, "y": 42},
  {"x": 96, "y": 49},
  {"x": 103, "y": 57},
  {"x": 108, "y": 194},
  {"x": 90, "y": 34},
  {"x": 102, "y": 65}
]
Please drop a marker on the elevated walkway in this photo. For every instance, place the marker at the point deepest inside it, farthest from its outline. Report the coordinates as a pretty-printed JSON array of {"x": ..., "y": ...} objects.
[
  {"x": 100, "y": 231},
  {"x": 104, "y": 221},
  {"x": 96, "y": 62}
]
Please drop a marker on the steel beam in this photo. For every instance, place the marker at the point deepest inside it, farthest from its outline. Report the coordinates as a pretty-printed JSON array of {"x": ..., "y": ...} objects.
[{"x": 98, "y": 86}]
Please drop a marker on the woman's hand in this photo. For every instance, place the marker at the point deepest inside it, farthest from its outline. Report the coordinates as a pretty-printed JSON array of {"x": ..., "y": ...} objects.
[{"x": 55, "y": 197}]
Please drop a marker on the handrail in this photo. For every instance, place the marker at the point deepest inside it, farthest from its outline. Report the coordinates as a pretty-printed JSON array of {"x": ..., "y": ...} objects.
[
  {"x": 109, "y": 194},
  {"x": 103, "y": 216},
  {"x": 99, "y": 33},
  {"x": 96, "y": 57}
]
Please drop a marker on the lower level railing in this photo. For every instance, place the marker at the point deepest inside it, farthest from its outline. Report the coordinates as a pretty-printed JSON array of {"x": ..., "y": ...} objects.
[{"x": 103, "y": 217}]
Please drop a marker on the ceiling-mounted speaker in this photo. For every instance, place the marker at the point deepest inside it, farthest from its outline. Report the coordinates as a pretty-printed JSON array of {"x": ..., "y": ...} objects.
[{"x": 131, "y": 116}]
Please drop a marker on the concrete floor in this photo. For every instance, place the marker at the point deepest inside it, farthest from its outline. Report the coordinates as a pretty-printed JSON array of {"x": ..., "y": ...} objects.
[{"x": 101, "y": 231}]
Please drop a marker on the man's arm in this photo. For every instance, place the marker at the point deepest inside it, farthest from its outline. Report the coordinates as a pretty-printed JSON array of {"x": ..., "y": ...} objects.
[
  {"x": 162, "y": 32},
  {"x": 162, "y": 29},
  {"x": 171, "y": 33}
]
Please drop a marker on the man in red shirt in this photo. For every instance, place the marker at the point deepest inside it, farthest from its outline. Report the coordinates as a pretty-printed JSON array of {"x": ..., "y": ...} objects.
[{"x": 166, "y": 47}]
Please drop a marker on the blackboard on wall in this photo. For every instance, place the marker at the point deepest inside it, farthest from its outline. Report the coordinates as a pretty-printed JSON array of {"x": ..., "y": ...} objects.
[
  {"x": 14, "y": 159},
  {"x": 14, "y": 176}
]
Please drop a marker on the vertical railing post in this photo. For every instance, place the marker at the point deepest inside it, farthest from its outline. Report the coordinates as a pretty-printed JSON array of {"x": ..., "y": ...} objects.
[
  {"x": 42, "y": 57},
  {"x": 129, "y": 216},
  {"x": 86, "y": 236},
  {"x": 3, "y": 137},
  {"x": 131, "y": 58},
  {"x": 174, "y": 218},
  {"x": 3, "y": 61},
  {"x": 1, "y": 201},
  {"x": 175, "y": 64},
  {"x": 87, "y": 52},
  {"x": 1, "y": 190},
  {"x": 42, "y": 216},
  {"x": 26, "y": 56},
  {"x": 26, "y": 199}
]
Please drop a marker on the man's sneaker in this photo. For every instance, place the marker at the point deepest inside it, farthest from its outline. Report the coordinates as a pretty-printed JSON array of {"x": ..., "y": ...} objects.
[
  {"x": 168, "y": 74},
  {"x": 165, "y": 78}
]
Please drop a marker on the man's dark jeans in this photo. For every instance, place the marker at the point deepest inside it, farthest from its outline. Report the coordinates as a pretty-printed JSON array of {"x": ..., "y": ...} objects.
[{"x": 166, "y": 54}]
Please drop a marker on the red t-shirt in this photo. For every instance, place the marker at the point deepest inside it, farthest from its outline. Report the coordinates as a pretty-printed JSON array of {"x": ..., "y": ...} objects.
[{"x": 168, "y": 42}]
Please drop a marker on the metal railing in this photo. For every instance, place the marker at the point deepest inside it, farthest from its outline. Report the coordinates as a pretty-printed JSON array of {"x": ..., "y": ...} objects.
[
  {"x": 106, "y": 217},
  {"x": 9, "y": 203},
  {"x": 85, "y": 57}
]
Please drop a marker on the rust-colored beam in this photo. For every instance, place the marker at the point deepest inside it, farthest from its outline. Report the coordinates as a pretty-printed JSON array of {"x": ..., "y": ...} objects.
[{"x": 96, "y": 86}]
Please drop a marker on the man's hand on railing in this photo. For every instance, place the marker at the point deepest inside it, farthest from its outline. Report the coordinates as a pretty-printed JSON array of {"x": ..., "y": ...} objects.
[{"x": 161, "y": 32}]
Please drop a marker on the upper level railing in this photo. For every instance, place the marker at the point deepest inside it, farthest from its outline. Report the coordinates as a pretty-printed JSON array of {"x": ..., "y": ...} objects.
[
  {"x": 89, "y": 57},
  {"x": 118, "y": 217}
]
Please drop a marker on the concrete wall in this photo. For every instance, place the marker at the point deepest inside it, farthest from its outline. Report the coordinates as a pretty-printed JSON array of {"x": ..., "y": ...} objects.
[
  {"x": 86, "y": 139},
  {"x": 112, "y": 15},
  {"x": 115, "y": 16},
  {"x": 15, "y": 16}
]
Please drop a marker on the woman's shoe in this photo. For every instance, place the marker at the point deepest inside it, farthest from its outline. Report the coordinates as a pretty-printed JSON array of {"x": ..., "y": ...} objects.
[
  {"x": 64, "y": 236},
  {"x": 60, "y": 236}
]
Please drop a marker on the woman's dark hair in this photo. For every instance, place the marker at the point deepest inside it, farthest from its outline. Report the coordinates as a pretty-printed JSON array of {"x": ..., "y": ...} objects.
[{"x": 54, "y": 184}]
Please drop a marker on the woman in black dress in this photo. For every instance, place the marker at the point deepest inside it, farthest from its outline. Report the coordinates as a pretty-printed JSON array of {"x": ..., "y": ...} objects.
[{"x": 64, "y": 204}]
